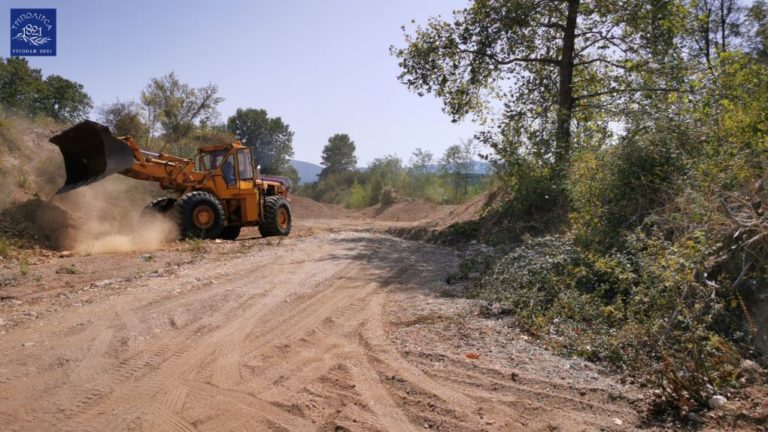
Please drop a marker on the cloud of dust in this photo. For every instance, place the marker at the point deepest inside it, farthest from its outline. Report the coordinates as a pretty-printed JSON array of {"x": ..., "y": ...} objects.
[{"x": 106, "y": 217}]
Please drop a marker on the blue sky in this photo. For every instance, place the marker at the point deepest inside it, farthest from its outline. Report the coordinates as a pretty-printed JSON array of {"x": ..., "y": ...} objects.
[{"x": 323, "y": 66}]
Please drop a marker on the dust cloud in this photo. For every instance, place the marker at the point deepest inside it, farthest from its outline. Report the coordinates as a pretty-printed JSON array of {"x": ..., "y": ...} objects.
[{"x": 106, "y": 217}]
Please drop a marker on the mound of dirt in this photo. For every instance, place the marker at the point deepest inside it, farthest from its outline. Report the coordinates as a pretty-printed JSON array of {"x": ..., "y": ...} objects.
[
  {"x": 36, "y": 223},
  {"x": 307, "y": 208},
  {"x": 467, "y": 211},
  {"x": 404, "y": 210},
  {"x": 413, "y": 210},
  {"x": 29, "y": 164}
]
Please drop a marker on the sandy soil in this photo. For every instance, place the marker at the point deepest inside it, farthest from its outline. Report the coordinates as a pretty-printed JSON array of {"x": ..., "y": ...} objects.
[{"x": 335, "y": 328}]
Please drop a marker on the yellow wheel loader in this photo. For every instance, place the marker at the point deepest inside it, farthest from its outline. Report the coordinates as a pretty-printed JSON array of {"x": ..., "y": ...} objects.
[{"x": 215, "y": 194}]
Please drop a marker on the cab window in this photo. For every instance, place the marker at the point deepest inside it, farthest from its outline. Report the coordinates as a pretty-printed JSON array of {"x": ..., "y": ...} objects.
[
  {"x": 215, "y": 158},
  {"x": 228, "y": 171},
  {"x": 203, "y": 161},
  {"x": 245, "y": 164}
]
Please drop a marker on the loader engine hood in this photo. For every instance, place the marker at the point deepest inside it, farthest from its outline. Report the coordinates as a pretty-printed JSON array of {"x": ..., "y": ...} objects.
[{"x": 91, "y": 153}]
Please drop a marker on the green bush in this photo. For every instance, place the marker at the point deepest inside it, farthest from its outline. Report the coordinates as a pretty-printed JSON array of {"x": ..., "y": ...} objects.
[
  {"x": 5, "y": 247},
  {"x": 643, "y": 309},
  {"x": 615, "y": 189},
  {"x": 358, "y": 196}
]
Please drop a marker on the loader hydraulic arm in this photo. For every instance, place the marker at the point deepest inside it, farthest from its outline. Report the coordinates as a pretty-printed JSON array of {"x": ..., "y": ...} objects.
[{"x": 171, "y": 172}]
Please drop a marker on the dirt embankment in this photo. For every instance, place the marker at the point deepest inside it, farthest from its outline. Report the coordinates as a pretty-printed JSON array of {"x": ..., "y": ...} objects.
[
  {"x": 404, "y": 210},
  {"x": 29, "y": 165}
]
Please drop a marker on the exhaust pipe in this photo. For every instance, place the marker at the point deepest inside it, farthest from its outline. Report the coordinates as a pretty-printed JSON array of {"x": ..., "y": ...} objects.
[{"x": 91, "y": 153}]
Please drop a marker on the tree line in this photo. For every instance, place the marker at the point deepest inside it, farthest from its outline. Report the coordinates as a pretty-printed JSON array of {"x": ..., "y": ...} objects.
[
  {"x": 177, "y": 118},
  {"x": 24, "y": 91},
  {"x": 449, "y": 179}
]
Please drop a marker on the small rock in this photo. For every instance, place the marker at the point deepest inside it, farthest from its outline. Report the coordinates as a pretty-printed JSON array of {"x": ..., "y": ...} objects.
[
  {"x": 692, "y": 416},
  {"x": 27, "y": 344},
  {"x": 750, "y": 372},
  {"x": 617, "y": 421},
  {"x": 749, "y": 365},
  {"x": 2, "y": 322},
  {"x": 104, "y": 283},
  {"x": 717, "y": 402},
  {"x": 218, "y": 241},
  {"x": 29, "y": 314},
  {"x": 64, "y": 254}
]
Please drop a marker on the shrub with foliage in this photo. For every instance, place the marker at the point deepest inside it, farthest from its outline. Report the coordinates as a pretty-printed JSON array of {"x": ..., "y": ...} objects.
[{"x": 642, "y": 309}]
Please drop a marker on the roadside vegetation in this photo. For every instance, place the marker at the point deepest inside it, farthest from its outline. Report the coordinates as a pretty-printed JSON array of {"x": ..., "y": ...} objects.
[
  {"x": 450, "y": 179},
  {"x": 632, "y": 149}
]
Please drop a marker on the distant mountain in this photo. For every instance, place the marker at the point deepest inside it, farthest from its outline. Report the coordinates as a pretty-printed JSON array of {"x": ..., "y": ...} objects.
[{"x": 308, "y": 171}]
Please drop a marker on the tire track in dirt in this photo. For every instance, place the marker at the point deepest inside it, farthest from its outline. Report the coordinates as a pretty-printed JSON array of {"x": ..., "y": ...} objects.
[
  {"x": 184, "y": 363},
  {"x": 296, "y": 337}
]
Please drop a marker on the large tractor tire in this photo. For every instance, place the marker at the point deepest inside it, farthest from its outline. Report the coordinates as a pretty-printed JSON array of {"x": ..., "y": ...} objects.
[
  {"x": 230, "y": 232},
  {"x": 277, "y": 217},
  {"x": 199, "y": 215}
]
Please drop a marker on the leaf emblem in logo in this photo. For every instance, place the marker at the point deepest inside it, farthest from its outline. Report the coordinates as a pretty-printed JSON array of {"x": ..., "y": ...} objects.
[{"x": 32, "y": 35}]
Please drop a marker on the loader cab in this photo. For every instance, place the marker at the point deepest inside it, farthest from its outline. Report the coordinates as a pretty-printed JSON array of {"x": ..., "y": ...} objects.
[{"x": 234, "y": 162}]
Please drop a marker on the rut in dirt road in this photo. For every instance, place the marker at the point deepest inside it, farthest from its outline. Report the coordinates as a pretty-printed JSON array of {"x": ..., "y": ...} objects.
[{"x": 295, "y": 337}]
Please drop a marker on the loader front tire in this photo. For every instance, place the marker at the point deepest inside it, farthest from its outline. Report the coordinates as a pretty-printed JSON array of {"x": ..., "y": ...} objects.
[
  {"x": 277, "y": 217},
  {"x": 199, "y": 214}
]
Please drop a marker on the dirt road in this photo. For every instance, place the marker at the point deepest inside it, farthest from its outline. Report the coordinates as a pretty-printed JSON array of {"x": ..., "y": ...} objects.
[{"x": 322, "y": 331}]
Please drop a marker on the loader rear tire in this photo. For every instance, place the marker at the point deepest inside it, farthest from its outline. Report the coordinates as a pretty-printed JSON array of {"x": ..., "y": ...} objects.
[
  {"x": 199, "y": 215},
  {"x": 230, "y": 232},
  {"x": 277, "y": 217}
]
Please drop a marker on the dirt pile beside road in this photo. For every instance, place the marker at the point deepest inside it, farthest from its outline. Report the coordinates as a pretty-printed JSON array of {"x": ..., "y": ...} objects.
[
  {"x": 307, "y": 208},
  {"x": 36, "y": 223},
  {"x": 405, "y": 210},
  {"x": 30, "y": 166},
  {"x": 102, "y": 218}
]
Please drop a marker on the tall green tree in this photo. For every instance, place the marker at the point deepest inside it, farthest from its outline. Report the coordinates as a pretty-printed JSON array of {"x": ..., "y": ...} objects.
[
  {"x": 124, "y": 118},
  {"x": 179, "y": 107},
  {"x": 715, "y": 26},
  {"x": 547, "y": 63},
  {"x": 758, "y": 19},
  {"x": 338, "y": 155},
  {"x": 64, "y": 100},
  {"x": 420, "y": 165},
  {"x": 24, "y": 91},
  {"x": 270, "y": 137},
  {"x": 19, "y": 86},
  {"x": 457, "y": 164},
  {"x": 383, "y": 172},
  {"x": 421, "y": 160}
]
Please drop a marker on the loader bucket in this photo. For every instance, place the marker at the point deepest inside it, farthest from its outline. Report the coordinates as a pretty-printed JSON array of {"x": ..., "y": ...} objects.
[{"x": 91, "y": 153}]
